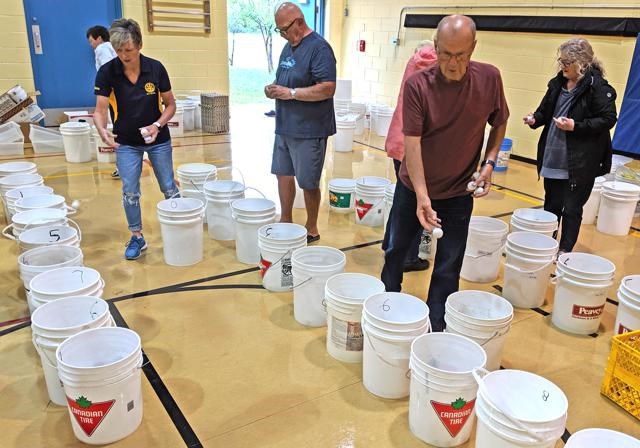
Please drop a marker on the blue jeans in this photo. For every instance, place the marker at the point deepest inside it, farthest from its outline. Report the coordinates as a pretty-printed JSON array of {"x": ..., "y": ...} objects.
[
  {"x": 129, "y": 163},
  {"x": 402, "y": 227}
]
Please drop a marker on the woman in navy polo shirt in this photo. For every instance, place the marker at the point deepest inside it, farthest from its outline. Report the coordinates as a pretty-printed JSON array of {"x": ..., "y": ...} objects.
[{"x": 136, "y": 87}]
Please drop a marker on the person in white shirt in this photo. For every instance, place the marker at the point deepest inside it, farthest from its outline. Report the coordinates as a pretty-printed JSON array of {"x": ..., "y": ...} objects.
[{"x": 98, "y": 37}]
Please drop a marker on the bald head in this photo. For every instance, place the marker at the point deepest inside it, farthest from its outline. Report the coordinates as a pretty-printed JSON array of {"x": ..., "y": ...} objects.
[
  {"x": 456, "y": 26},
  {"x": 288, "y": 11}
]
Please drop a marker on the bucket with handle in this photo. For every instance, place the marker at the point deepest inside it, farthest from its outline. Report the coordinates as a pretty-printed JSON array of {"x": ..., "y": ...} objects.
[
  {"x": 35, "y": 218},
  {"x": 345, "y": 129},
  {"x": 43, "y": 201},
  {"x": 55, "y": 321},
  {"x": 599, "y": 438},
  {"x": 311, "y": 268},
  {"x": 23, "y": 192},
  {"x": 100, "y": 371},
  {"x": 617, "y": 207},
  {"x": 65, "y": 282},
  {"x": 181, "y": 225},
  {"x": 344, "y": 295},
  {"x": 249, "y": 214},
  {"x": 534, "y": 220},
  {"x": 518, "y": 409},
  {"x": 277, "y": 241},
  {"x": 486, "y": 239},
  {"x": 219, "y": 194},
  {"x": 46, "y": 258},
  {"x": 628, "y": 316},
  {"x": 369, "y": 197},
  {"x": 50, "y": 235},
  {"x": 12, "y": 181},
  {"x": 390, "y": 323},
  {"x": 342, "y": 195},
  {"x": 443, "y": 389},
  {"x": 77, "y": 141}
]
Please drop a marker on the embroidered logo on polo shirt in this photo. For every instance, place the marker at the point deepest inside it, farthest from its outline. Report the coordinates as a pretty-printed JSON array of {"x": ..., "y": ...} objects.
[{"x": 150, "y": 88}]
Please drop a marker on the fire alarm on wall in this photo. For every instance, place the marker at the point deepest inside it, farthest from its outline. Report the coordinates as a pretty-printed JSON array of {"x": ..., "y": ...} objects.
[{"x": 361, "y": 45}]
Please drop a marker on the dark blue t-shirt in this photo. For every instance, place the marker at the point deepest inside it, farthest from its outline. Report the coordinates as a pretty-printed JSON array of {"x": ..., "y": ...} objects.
[{"x": 310, "y": 62}]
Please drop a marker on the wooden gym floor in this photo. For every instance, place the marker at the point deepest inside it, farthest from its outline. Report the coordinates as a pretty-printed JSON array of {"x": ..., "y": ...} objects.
[{"x": 227, "y": 364}]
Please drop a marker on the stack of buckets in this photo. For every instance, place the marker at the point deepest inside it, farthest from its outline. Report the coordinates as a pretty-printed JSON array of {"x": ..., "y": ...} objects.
[
  {"x": 383, "y": 120},
  {"x": 369, "y": 200},
  {"x": 249, "y": 214},
  {"x": 219, "y": 194},
  {"x": 54, "y": 322},
  {"x": 484, "y": 318},
  {"x": 192, "y": 177},
  {"x": 100, "y": 371},
  {"x": 46, "y": 200},
  {"x": 598, "y": 438},
  {"x": 47, "y": 258},
  {"x": 64, "y": 282},
  {"x": 12, "y": 196},
  {"x": 76, "y": 136},
  {"x": 484, "y": 248},
  {"x": 35, "y": 218},
  {"x": 390, "y": 323},
  {"x": 582, "y": 283},
  {"x": 529, "y": 263},
  {"x": 342, "y": 195},
  {"x": 389, "y": 192},
  {"x": 591, "y": 207},
  {"x": 276, "y": 242},
  {"x": 181, "y": 221},
  {"x": 344, "y": 295},
  {"x": 17, "y": 167},
  {"x": 13, "y": 181},
  {"x": 311, "y": 268},
  {"x": 443, "y": 389},
  {"x": 345, "y": 130},
  {"x": 628, "y": 318},
  {"x": 534, "y": 220},
  {"x": 49, "y": 235},
  {"x": 617, "y": 207},
  {"x": 519, "y": 409}
]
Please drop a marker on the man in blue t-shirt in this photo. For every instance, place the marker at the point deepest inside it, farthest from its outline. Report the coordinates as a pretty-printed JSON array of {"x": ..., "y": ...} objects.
[{"x": 303, "y": 89}]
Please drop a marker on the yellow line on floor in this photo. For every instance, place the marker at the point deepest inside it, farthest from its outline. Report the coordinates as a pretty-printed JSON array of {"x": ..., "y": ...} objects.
[{"x": 519, "y": 196}]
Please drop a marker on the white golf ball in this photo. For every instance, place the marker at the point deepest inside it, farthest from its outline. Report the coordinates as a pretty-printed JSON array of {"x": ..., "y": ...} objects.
[
  {"x": 75, "y": 204},
  {"x": 471, "y": 186},
  {"x": 437, "y": 233},
  {"x": 479, "y": 190},
  {"x": 476, "y": 175}
]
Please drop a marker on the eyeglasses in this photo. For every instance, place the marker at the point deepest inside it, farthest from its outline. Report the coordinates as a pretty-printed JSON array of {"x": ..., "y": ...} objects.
[
  {"x": 284, "y": 29},
  {"x": 564, "y": 62},
  {"x": 445, "y": 56}
]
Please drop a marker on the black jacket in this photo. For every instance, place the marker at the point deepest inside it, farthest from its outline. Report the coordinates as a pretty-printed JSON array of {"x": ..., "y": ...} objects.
[{"x": 593, "y": 110}]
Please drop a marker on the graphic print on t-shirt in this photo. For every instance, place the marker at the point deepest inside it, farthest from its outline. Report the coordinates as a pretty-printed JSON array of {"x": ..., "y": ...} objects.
[{"x": 288, "y": 63}]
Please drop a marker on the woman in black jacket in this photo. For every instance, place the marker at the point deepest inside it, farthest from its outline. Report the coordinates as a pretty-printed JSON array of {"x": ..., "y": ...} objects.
[{"x": 577, "y": 113}]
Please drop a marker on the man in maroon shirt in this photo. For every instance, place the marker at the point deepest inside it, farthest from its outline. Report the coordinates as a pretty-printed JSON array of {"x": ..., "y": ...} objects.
[{"x": 445, "y": 111}]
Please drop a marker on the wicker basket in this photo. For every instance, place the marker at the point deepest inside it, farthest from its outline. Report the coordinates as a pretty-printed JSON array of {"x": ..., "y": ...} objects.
[
  {"x": 622, "y": 376},
  {"x": 215, "y": 113}
]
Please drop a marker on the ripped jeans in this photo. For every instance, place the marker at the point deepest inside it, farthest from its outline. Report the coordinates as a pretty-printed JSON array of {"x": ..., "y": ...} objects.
[{"x": 129, "y": 163}]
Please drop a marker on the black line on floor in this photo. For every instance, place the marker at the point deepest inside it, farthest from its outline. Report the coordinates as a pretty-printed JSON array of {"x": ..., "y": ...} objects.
[
  {"x": 613, "y": 302},
  {"x": 177, "y": 417},
  {"x": 15, "y": 328},
  {"x": 209, "y": 287},
  {"x": 541, "y": 311},
  {"x": 566, "y": 435},
  {"x": 594, "y": 335},
  {"x": 497, "y": 288},
  {"x": 360, "y": 246},
  {"x": 367, "y": 144}
]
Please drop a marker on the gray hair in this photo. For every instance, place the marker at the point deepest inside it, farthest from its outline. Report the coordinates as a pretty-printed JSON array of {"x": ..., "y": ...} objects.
[
  {"x": 123, "y": 31},
  {"x": 456, "y": 23},
  {"x": 579, "y": 51}
]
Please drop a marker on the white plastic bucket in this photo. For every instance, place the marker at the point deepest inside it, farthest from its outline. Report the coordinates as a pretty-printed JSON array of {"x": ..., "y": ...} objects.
[
  {"x": 583, "y": 266},
  {"x": 484, "y": 249},
  {"x": 441, "y": 406},
  {"x": 42, "y": 259},
  {"x": 100, "y": 370},
  {"x": 23, "y": 192},
  {"x": 276, "y": 242},
  {"x": 35, "y": 218},
  {"x": 344, "y": 295},
  {"x": 383, "y": 121},
  {"x": 104, "y": 153},
  {"x": 534, "y": 220},
  {"x": 628, "y": 316},
  {"x": 219, "y": 194},
  {"x": 345, "y": 129},
  {"x": 189, "y": 110},
  {"x": 616, "y": 214},
  {"x": 181, "y": 226},
  {"x": 41, "y": 201},
  {"x": 20, "y": 180},
  {"x": 249, "y": 215},
  {"x": 77, "y": 141},
  {"x": 600, "y": 438},
  {"x": 526, "y": 280},
  {"x": 389, "y": 192},
  {"x": 64, "y": 282},
  {"x": 369, "y": 200},
  {"x": 578, "y": 306},
  {"x": 17, "y": 167},
  {"x": 311, "y": 268},
  {"x": 518, "y": 409},
  {"x": 49, "y": 235},
  {"x": 390, "y": 323},
  {"x": 342, "y": 195},
  {"x": 591, "y": 207},
  {"x": 176, "y": 124},
  {"x": 55, "y": 321},
  {"x": 193, "y": 176}
]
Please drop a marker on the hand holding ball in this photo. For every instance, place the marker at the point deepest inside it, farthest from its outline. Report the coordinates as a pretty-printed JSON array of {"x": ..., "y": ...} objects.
[{"x": 437, "y": 233}]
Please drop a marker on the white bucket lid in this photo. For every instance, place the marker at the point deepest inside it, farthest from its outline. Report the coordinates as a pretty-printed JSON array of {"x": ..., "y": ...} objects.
[
  {"x": 25, "y": 192},
  {"x": 373, "y": 182},
  {"x": 527, "y": 397},
  {"x": 480, "y": 307},
  {"x": 631, "y": 285},
  {"x": 621, "y": 188},
  {"x": 75, "y": 127},
  {"x": 68, "y": 315},
  {"x": 180, "y": 205},
  {"x": 197, "y": 169},
  {"x": 586, "y": 264},
  {"x": 601, "y": 438},
  {"x": 253, "y": 206},
  {"x": 352, "y": 287},
  {"x": 40, "y": 201},
  {"x": 534, "y": 215},
  {"x": 338, "y": 183},
  {"x": 64, "y": 281},
  {"x": 282, "y": 232},
  {"x": 447, "y": 354},
  {"x": 396, "y": 309},
  {"x": 223, "y": 187},
  {"x": 20, "y": 166},
  {"x": 40, "y": 215},
  {"x": 536, "y": 243}
]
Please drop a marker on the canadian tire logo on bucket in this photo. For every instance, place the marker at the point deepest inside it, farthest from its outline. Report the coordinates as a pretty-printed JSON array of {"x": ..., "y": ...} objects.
[
  {"x": 89, "y": 415},
  {"x": 362, "y": 208},
  {"x": 587, "y": 312},
  {"x": 454, "y": 415},
  {"x": 264, "y": 266}
]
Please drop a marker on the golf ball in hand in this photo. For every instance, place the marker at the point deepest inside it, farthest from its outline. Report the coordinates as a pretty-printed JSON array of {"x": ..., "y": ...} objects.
[
  {"x": 437, "y": 233},
  {"x": 479, "y": 190}
]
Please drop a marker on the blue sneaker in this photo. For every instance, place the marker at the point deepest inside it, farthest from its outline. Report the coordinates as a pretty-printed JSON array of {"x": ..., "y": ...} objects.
[{"x": 135, "y": 246}]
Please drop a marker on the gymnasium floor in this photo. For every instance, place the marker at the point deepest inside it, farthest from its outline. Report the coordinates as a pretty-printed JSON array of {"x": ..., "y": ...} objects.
[{"x": 227, "y": 364}]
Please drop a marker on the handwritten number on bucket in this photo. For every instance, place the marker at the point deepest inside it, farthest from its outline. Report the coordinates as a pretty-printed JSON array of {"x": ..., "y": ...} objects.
[
  {"x": 81, "y": 275},
  {"x": 385, "y": 306},
  {"x": 54, "y": 234},
  {"x": 545, "y": 395}
]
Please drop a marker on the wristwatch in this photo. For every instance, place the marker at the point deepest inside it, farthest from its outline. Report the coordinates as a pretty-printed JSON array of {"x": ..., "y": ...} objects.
[
  {"x": 488, "y": 162},
  {"x": 158, "y": 125},
  {"x": 293, "y": 93}
]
